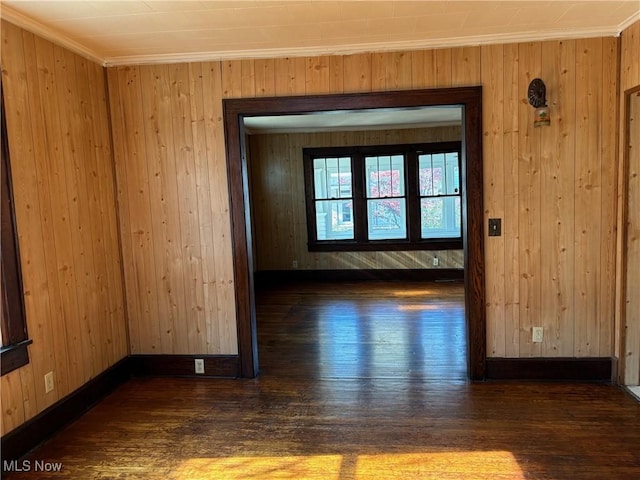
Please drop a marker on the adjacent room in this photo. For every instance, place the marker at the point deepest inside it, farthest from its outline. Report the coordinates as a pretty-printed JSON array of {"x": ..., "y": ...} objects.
[{"x": 320, "y": 239}]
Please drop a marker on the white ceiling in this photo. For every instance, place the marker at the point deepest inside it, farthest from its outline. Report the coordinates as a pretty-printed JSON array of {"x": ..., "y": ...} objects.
[{"x": 134, "y": 31}]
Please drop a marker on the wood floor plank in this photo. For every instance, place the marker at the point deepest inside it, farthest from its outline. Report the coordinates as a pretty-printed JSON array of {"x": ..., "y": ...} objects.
[{"x": 372, "y": 421}]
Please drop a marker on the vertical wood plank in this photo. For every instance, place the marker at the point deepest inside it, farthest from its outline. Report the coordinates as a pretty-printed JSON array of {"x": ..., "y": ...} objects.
[
  {"x": 163, "y": 191},
  {"x": 357, "y": 73},
  {"x": 529, "y": 202},
  {"x": 191, "y": 339},
  {"x": 557, "y": 201},
  {"x": 11, "y": 401},
  {"x": 443, "y": 67},
  {"x": 225, "y": 338},
  {"x": 89, "y": 220},
  {"x": 290, "y": 76},
  {"x": 203, "y": 187},
  {"x": 492, "y": 59},
  {"x": 60, "y": 210},
  {"x": 336, "y": 74},
  {"x": 139, "y": 202},
  {"x": 398, "y": 70},
  {"x": 588, "y": 190},
  {"x": 608, "y": 179},
  {"x": 511, "y": 227},
  {"x": 76, "y": 255},
  {"x": 56, "y": 354},
  {"x": 248, "y": 72},
  {"x": 630, "y": 68},
  {"x": 317, "y": 78},
  {"x": 465, "y": 66},
  {"x": 232, "y": 78},
  {"x": 265, "y": 77},
  {"x": 379, "y": 71},
  {"x": 98, "y": 218}
]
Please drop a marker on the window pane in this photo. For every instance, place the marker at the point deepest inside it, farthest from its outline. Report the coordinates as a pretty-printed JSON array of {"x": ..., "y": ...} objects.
[
  {"x": 452, "y": 174},
  {"x": 334, "y": 219},
  {"x": 439, "y": 174},
  {"x": 425, "y": 175},
  {"x": 385, "y": 176},
  {"x": 387, "y": 218},
  {"x": 437, "y": 161},
  {"x": 440, "y": 217},
  {"x": 332, "y": 178}
]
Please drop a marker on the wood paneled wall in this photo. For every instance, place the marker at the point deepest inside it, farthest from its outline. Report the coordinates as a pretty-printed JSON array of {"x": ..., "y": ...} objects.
[
  {"x": 554, "y": 187},
  {"x": 629, "y": 246},
  {"x": 174, "y": 210},
  {"x": 64, "y": 195},
  {"x": 278, "y": 202}
]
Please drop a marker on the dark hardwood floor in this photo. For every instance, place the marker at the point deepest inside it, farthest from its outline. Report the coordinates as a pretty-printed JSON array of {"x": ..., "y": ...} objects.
[
  {"x": 358, "y": 382},
  {"x": 363, "y": 330}
]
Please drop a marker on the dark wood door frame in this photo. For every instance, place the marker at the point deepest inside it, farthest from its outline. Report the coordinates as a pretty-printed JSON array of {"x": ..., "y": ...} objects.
[{"x": 470, "y": 98}]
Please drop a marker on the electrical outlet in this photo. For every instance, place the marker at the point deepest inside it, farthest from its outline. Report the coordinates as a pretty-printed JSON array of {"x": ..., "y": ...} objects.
[
  {"x": 294, "y": 264},
  {"x": 199, "y": 365},
  {"x": 436, "y": 261},
  {"x": 49, "y": 385},
  {"x": 537, "y": 335}
]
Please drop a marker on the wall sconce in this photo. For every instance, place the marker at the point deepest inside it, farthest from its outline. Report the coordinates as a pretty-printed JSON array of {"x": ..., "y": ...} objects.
[{"x": 537, "y": 94}]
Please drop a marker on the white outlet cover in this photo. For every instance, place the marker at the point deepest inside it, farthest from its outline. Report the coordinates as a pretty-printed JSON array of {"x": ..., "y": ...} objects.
[
  {"x": 537, "y": 335},
  {"x": 49, "y": 384},
  {"x": 199, "y": 365}
]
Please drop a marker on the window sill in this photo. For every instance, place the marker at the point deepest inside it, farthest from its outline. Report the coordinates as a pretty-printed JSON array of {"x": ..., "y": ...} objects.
[
  {"x": 14, "y": 356},
  {"x": 382, "y": 245}
]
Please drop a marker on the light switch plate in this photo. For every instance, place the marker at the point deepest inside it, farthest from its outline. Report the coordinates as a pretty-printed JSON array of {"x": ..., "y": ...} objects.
[{"x": 495, "y": 227}]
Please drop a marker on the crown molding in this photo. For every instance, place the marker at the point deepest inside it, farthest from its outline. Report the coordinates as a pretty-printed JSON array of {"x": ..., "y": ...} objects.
[
  {"x": 361, "y": 48},
  {"x": 628, "y": 22},
  {"x": 23, "y": 21}
]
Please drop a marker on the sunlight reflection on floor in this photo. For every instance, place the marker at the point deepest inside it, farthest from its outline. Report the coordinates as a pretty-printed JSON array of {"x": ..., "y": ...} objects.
[
  {"x": 413, "y": 293},
  {"x": 387, "y": 466}
]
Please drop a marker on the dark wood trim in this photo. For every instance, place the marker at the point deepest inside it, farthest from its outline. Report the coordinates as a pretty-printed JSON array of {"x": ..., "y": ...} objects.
[
  {"x": 264, "y": 278},
  {"x": 384, "y": 245},
  {"x": 14, "y": 328},
  {"x": 15, "y": 356},
  {"x": 589, "y": 369},
  {"x": 473, "y": 235},
  {"x": 227, "y": 366},
  {"x": 40, "y": 428},
  {"x": 240, "y": 213},
  {"x": 470, "y": 98}
]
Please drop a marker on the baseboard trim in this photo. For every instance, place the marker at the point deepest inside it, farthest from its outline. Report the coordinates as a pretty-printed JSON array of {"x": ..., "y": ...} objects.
[
  {"x": 591, "y": 369},
  {"x": 40, "y": 428},
  {"x": 227, "y": 366},
  {"x": 267, "y": 277}
]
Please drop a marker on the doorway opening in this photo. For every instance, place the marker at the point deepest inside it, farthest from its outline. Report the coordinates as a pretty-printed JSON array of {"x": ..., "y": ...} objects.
[{"x": 468, "y": 99}]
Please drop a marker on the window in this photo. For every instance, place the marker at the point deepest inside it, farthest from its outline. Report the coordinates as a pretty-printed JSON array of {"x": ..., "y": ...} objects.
[
  {"x": 439, "y": 185},
  {"x": 13, "y": 324},
  {"x": 395, "y": 197}
]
